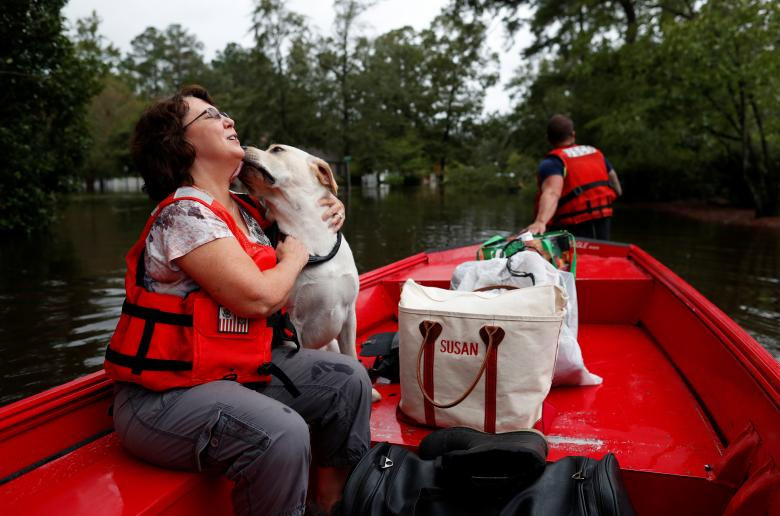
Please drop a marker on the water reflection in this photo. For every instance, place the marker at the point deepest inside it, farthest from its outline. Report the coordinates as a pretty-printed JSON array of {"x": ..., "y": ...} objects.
[
  {"x": 60, "y": 295},
  {"x": 376, "y": 192}
]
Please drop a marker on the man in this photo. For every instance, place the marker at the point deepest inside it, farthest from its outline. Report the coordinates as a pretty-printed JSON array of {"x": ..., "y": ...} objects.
[{"x": 577, "y": 186}]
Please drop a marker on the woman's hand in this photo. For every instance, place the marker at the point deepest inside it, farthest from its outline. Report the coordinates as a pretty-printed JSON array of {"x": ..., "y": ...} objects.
[
  {"x": 293, "y": 250},
  {"x": 334, "y": 215}
]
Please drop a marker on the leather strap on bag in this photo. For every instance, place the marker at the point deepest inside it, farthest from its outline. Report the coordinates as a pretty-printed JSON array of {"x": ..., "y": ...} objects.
[
  {"x": 430, "y": 330},
  {"x": 495, "y": 287}
]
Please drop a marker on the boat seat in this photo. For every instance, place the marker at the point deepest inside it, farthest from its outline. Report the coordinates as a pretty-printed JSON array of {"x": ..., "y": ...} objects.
[{"x": 102, "y": 478}]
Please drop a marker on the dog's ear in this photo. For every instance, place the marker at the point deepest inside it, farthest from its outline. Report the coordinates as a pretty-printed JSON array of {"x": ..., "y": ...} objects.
[{"x": 324, "y": 174}]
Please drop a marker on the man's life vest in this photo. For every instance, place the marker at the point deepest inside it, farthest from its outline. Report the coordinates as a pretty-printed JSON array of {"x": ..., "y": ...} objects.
[
  {"x": 586, "y": 193},
  {"x": 164, "y": 341}
]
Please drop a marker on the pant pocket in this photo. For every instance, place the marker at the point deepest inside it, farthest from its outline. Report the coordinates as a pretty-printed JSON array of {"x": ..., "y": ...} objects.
[{"x": 229, "y": 445}]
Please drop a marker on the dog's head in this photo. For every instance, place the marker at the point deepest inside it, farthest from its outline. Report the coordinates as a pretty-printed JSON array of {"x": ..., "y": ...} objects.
[{"x": 285, "y": 168}]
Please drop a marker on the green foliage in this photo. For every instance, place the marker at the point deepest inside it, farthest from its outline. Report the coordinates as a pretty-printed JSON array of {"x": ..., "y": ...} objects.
[
  {"x": 43, "y": 98},
  {"x": 110, "y": 118},
  {"x": 163, "y": 61},
  {"x": 458, "y": 72},
  {"x": 681, "y": 95},
  {"x": 111, "y": 112},
  {"x": 724, "y": 69},
  {"x": 481, "y": 177}
]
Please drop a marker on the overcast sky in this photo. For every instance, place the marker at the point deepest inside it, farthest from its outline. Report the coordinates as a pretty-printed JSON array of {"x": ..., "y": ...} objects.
[{"x": 218, "y": 23}]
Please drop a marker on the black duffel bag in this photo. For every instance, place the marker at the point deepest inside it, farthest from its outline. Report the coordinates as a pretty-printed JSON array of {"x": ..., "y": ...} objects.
[
  {"x": 466, "y": 472},
  {"x": 463, "y": 472},
  {"x": 386, "y": 481},
  {"x": 574, "y": 486},
  {"x": 393, "y": 481}
]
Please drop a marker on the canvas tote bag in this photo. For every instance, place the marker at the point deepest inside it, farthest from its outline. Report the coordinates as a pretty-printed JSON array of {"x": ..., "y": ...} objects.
[{"x": 477, "y": 359}]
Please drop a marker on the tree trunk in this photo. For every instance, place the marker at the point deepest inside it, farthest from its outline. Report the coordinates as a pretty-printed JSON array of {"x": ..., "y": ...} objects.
[
  {"x": 746, "y": 151},
  {"x": 631, "y": 26},
  {"x": 770, "y": 174}
]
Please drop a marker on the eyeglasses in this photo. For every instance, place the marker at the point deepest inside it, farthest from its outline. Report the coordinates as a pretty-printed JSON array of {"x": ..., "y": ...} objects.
[{"x": 209, "y": 112}]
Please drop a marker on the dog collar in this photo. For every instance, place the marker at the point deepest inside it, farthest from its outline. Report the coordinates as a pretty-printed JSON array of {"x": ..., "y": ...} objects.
[{"x": 317, "y": 259}]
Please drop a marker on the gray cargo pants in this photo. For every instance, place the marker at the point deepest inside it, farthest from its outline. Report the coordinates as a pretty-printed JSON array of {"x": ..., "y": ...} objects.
[{"x": 259, "y": 437}]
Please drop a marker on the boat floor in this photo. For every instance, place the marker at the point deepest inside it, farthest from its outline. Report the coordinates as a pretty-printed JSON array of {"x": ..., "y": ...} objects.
[{"x": 642, "y": 412}]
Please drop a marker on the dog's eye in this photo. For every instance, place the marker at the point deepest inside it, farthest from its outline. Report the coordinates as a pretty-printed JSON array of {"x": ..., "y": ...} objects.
[{"x": 277, "y": 149}]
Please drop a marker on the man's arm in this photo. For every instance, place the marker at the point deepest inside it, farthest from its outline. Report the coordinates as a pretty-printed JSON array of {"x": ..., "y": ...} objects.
[
  {"x": 548, "y": 203},
  {"x": 614, "y": 182}
]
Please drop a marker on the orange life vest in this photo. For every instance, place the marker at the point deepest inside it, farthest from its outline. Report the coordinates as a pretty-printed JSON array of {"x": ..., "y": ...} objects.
[
  {"x": 586, "y": 193},
  {"x": 164, "y": 341}
]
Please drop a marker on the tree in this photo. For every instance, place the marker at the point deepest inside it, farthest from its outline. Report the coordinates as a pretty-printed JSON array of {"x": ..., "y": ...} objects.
[
  {"x": 458, "y": 70},
  {"x": 286, "y": 106},
  {"x": 92, "y": 47},
  {"x": 678, "y": 92},
  {"x": 161, "y": 62},
  {"x": 391, "y": 105},
  {"x": 111, "y": 112},
  {"x": 723, "y": 69},
  {"x": 45, "y": 89},
  {"x": 110, "y": 119},
  {"x": 338, "y": 60}
]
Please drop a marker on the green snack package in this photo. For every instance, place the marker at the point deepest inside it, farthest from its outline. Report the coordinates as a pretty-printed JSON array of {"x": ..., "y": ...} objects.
[{"x": 557, "y": 247}]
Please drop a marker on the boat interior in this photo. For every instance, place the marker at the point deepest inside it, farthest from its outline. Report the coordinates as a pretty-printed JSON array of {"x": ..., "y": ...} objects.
[{"x": 689, "y": 405}]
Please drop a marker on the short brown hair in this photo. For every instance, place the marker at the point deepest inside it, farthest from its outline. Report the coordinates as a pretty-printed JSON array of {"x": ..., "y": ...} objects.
[
  {"x": 160, "y": 152},
  {"x": 559, "y": 129}
]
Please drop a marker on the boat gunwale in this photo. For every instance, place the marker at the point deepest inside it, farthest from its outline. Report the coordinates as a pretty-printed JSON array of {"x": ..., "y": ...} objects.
[{"x": 745, "y": 349}]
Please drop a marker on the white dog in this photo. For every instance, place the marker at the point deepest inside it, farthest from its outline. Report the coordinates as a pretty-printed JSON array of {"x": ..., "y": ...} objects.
[{"x": 322, "y": 303}]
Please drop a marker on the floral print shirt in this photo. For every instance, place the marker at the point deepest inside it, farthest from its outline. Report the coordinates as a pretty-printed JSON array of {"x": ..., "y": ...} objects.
[{"x": 179, "y": 228}]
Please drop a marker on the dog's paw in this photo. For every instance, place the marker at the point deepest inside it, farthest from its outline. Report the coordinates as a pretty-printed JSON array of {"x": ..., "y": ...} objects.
[{"x": 375, "y": 396}]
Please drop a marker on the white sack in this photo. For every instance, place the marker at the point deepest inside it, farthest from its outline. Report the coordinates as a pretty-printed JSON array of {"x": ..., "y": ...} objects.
[{"x": 569, "y": 366}]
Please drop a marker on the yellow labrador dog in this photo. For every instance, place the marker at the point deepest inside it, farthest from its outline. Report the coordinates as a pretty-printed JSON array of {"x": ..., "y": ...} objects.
[{"x": 322, "y": 304}]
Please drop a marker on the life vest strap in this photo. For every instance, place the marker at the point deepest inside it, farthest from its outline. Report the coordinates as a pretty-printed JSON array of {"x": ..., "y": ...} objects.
[
  {"x": 156, "y": 316},
  {"x": 589, "y": 209},
  {"x": 269, "y": 368},
  {"x": 284, "y": 330},
  {"x": 578, "y": 190},
  {"x": 146, "y": 364}
]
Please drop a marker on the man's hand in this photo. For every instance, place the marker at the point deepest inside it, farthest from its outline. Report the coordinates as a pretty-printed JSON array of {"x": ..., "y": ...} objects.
[
  {"x": 536, "y": 228},
  {"x": 334, "y": 215}
]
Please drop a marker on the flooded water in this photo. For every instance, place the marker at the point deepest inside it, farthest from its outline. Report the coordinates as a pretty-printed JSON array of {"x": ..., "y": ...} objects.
[{"x": 60, "y": 295}]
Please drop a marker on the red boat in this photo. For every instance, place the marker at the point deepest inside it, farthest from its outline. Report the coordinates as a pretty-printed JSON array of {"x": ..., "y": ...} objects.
[{"x": 689, "y": 405}]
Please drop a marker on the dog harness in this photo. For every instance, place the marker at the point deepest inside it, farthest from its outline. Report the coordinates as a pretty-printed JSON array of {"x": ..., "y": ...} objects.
[
  {"x": 586, "y": 193},
  {"x": 164, "y": 341},
  {"x": 315, "y": 259}
]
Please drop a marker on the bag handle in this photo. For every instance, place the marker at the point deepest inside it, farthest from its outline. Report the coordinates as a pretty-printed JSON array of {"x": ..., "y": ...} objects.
[
  {"x": 430, "y": 330},
  {"x": 494, "y": 287}
]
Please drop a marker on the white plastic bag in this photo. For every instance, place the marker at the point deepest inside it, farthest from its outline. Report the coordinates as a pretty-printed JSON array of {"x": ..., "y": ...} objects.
[{"x": 527, "y": 268}]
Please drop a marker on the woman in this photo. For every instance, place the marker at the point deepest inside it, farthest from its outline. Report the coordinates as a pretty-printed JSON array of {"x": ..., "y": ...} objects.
[{"x": 203, "y": 290}]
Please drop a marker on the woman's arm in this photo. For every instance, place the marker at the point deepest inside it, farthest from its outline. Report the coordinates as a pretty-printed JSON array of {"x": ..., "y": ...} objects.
[{"x": 228, "y": 274}]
